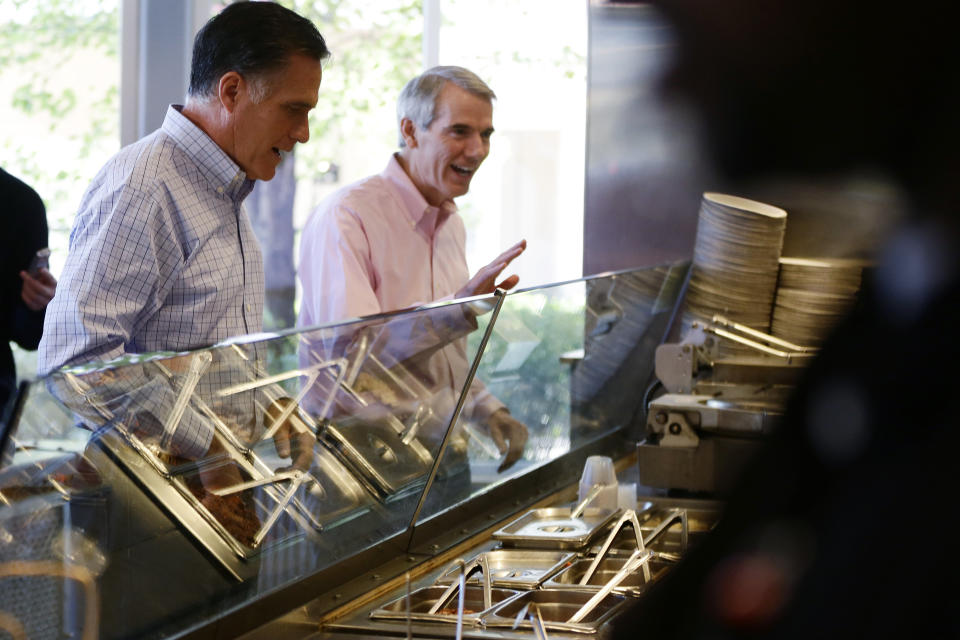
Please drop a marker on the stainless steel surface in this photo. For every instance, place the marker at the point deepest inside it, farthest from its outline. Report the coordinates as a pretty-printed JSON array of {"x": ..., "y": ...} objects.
[
  {"x": 423, "y": 600},
  {"x": 554, "y": 528},
  {"x": 679, "y": 417},
  {"x": 556, "y": 607},
  {"x": 711, "y": 466},
  {"x": 637, "y": 559},
  {"x": 519, "y": 568},
  {"x": 701, "y": 517},
  {"x": 628, "y": 517},
  {"x": 671, "y": 518},
  {"x": 633, "y": 585},
  {"x": 376, "y": 450}
]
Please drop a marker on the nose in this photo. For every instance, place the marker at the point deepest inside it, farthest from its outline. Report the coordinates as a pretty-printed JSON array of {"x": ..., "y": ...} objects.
[
  {"x": 301, "y": 131},
  {"x": 477, "y": 147}
]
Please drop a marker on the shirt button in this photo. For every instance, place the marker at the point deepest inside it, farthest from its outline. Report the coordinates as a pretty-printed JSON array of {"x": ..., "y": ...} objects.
[
  {"x": 248, "y": 307},
  {"x": 219, "y": 189}
]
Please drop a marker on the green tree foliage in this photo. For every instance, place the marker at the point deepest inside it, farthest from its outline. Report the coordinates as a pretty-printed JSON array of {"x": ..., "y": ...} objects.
[
  {"x": 52, "y": 53},
  {"x": 376, "y": 48},
  {"x": 536, "y": 390}
]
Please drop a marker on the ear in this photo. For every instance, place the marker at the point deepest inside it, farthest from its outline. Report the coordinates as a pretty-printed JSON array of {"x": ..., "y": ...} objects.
[
  {"x": 409, "y": 132},
  {"x": 229, "y": 89}
]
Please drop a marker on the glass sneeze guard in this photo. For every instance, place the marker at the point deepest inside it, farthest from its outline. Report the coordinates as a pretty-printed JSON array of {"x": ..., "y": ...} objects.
[{"x": 175, "y": 488}]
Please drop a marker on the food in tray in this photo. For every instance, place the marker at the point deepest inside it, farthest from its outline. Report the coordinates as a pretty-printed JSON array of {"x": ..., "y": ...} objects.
[{"x": 235, "y": 512}]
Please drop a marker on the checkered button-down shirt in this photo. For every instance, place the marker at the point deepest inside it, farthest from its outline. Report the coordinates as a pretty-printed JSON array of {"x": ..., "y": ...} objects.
[{"x": 162, "y": 258}]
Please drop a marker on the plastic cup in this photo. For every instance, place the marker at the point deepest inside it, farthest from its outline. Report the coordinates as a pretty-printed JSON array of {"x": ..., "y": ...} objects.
[
  {"x": 598, "y": 470},
  {"x": 627, "y": 496}
]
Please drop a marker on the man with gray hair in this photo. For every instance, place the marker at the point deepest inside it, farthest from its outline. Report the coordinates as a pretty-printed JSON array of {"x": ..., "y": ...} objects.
[{"x": 395, "y": 240}]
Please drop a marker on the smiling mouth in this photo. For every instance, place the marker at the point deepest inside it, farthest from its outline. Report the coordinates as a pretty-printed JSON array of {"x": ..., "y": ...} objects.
[
  {"x": 276, "y": 151},
  {"x": 462, "y": 171}
]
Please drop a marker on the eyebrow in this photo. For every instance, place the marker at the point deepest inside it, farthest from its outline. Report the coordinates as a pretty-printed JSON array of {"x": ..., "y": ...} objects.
[{"x": 488, "y": 130}]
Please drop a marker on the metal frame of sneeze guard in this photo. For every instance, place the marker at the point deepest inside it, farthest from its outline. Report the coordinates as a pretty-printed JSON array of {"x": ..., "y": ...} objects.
[{"x": 500, "y": 295}]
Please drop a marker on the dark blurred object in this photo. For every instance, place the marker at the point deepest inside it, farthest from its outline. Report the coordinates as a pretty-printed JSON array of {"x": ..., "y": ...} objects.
[
  {"x": 812, "y": 542},
  {"x": 644, "y": 174},
  {"x": 645, "y": 170},
  {"x": 24, "y": 232}
]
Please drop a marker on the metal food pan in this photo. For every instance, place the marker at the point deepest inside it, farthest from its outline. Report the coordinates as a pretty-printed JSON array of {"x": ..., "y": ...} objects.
[
  {"x": 699, "y": 523},
  {"x": 517, "y": 568},
  {"x": 335, "y": 496},
  {"x": 553, "y": 528},
  {"x": 634, "y": 584},
  {"x": 555, "y": 607},
  {"x": 378, "y": 453},
  {"x": 235, "y": 517},
  {"x": 698, "y": 520},
  {"x": 423, "y": 599}
]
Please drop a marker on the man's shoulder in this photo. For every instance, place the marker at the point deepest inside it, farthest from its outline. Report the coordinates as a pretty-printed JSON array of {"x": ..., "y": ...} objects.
[
  {"x": 370, "y": 196},
  {"x": 370, "y": 188},
  {"x": 135, "y": 180},
  {"x": 147, "y": 164}
]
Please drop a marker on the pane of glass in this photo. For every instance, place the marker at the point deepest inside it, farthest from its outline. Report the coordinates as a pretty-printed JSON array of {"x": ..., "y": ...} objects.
[
  {"x": 534, "y": 56},
  {"x": 568, "y": 361},
  {"x": 228, "y": 472},
  {"x": 59, "y": 105},
  {"x": 375, "y": 47}
]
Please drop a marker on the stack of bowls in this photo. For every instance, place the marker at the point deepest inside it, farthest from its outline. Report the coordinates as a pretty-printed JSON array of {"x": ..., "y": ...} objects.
[
  {"x": 812, "y": 295},
  {"x": 735, "y": 262}
]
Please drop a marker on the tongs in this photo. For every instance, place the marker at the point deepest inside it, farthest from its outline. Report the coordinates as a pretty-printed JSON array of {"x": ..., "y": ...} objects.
[
  {"x": 637, "y": 559},
  {"x": 481, "y": 564},
  {"x": 461, "y": 584},
  {"x": 532, "y": 611},
  {"x": 671, "y": 518},
  {"x": 757, "y": 340},
  {"x": 296, "y": 477},
  {"x": 590, "y": 497},
  {"x": 628, "y": 516},
  {"x": 198, "y": 366}
]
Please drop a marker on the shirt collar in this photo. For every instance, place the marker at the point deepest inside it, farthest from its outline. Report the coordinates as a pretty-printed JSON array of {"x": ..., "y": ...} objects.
[
  {"x": 415, "y": 206},
  {"x": 225, "y": 175}
]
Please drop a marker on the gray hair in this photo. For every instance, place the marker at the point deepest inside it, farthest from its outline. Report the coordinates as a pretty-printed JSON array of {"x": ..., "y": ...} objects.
[{"x": 418, "y": 100}]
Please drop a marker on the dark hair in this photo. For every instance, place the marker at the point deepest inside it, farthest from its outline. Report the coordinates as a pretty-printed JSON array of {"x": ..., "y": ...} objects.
[{"x": 253, "y": 39}]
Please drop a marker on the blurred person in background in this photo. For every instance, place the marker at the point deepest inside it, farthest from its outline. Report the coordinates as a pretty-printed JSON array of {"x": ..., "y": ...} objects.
[
  {"x": 24, "y": 291},
  {"x": 836, "y": 529}
]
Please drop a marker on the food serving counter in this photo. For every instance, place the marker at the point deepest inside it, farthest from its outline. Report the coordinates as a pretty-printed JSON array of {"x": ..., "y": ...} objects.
[{"x": 300, "y": 481}]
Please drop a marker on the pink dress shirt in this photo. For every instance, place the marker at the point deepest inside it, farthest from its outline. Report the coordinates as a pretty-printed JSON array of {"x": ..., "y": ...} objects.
[{"x": 376, "y": 246}]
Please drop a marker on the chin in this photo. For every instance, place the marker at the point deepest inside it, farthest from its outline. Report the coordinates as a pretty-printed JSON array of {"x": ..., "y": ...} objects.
[
  {"x": 458, "y": 190},
  {"x": 264, "y": 175}
]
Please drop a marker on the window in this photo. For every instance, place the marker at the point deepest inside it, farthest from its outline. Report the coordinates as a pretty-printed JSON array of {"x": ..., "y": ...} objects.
[
  {"x": 533, "y": 55},
  {"x": 59, "y": 104}
]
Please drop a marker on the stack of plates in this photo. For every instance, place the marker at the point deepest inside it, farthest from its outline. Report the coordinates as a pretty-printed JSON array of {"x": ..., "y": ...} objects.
[
  {"x": 812, "y": 295},
  {"x": 736, "y": 260}
]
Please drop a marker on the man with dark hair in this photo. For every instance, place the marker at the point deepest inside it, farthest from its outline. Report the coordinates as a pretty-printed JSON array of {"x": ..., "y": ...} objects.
[
  {"x": 395, "y": 240},
  {"x": 162, "y": 255},
  {"x": 23, "y": 295},
  {"x": 836, "y": 528}
]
